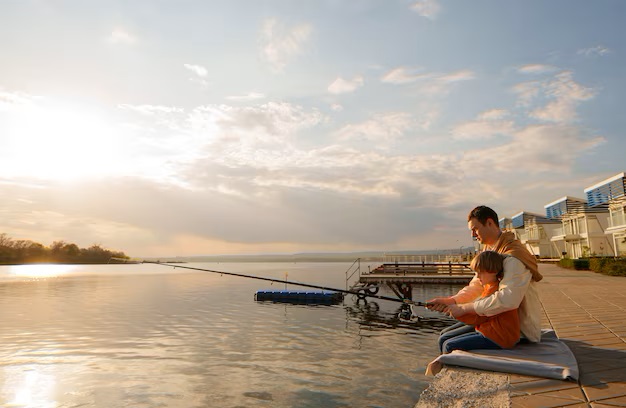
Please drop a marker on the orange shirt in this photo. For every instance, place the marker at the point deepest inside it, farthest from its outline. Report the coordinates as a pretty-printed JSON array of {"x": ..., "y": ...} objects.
[{"x": 503, "y": 328}]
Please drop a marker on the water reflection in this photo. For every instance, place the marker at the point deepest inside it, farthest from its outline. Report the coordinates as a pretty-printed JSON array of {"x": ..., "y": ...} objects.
[
  {"x": 40, "y": 270},
  {"x": 370, "y": 316},
  {"x": 152, "y": 338}
]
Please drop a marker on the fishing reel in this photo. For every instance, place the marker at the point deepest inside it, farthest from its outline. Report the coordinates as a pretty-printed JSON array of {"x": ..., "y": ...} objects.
[{"x": 406, "y": 314}]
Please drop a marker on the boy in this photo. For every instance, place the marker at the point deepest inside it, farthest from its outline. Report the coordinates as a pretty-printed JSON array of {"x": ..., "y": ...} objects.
[{"x": 490, "y": 332}]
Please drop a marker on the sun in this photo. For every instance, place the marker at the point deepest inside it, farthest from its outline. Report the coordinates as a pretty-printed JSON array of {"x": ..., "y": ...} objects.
[{"x": 59, "y": 141}]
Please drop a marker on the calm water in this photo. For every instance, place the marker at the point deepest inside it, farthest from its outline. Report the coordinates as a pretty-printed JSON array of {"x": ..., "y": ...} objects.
[{"x": 154, "y": 336}]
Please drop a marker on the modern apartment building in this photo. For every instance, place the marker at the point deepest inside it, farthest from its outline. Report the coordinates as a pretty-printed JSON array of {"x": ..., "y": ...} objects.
[
  {"x": 584, "y": 226},
  {"x": 534, "y": 231},
  {"x": 612, "y": 193}
]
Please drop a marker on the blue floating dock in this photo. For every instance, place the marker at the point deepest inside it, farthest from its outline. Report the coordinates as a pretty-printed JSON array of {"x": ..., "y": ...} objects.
[{"x": 299, "y": 296}]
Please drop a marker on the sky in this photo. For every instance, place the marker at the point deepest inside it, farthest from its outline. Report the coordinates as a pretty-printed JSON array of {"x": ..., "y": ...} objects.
[{"x": 177, "y": 128}]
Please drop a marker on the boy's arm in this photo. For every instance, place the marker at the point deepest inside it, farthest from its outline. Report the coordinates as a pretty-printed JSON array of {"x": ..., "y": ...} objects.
[{"x": 512, "y": 289}]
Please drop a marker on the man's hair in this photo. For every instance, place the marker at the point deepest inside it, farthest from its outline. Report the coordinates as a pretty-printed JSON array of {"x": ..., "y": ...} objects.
[
  {"x": 482, "y": 213},
  {"x": 488, "y": 261}
]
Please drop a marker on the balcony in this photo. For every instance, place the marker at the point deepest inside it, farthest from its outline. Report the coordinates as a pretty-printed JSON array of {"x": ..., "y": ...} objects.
[
  {"x": 617, "y": 220},
  {"x": 531, "y": 236}
]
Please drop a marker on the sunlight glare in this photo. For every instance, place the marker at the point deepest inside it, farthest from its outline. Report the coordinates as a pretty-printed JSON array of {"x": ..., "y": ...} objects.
[
  {"x": 41, "y": 270},
  {"x": 60, "y": 142},
  {"x": 35, "y": 389}
]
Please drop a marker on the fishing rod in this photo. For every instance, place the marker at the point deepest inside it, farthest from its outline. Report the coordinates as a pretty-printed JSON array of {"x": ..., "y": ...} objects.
[{"x": 360, "y": 294}]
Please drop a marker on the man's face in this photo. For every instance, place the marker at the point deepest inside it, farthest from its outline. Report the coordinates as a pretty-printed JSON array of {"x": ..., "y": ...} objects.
[{"x": 483, "y": 233}]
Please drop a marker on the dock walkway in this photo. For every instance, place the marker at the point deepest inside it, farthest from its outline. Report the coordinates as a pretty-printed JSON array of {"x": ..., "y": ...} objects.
[
  {"x": 588, "y": 312},
  {"x": 418, "y": 273}
]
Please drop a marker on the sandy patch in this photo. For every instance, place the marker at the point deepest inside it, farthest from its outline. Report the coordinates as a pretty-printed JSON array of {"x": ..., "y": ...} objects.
[{"x": 460, "y": 388}]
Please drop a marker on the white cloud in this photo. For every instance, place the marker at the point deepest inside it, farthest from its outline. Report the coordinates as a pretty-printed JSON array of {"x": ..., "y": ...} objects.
[
  {"x": 536, "y": 69},
  {"x": 462, "y": 75},
  {"x": 598, "y": 51},
  {"x": 10, "y": 100},
  {"x": 197, "y": 69},
  {"x": 382, "y": 129},
  {"x": 527, "y": 92},
  {"x": 121, "y": 36},
  {"x": 402, "y": 75},
  {"x": 427, "y": 8},
  {"x": 340, "y": 85},
  {"x": 482, "y": 129},
  {"x": 487, "y": 125},
  {"x": 430, "y": 82},
  {"x": 242, "y": 132},
  {"x": 151, "y": 109},
  {"x": 564, "y": 95},
  {"x": 336, "y": 107},
  {"x": 279, "y": 43},
  {"x": 251, "y": 96},
  {"x": 493, "y": 114},
  {"x": 532, "y": 150}
]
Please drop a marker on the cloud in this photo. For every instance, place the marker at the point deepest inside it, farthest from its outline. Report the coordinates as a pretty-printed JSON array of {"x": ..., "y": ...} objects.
[
  {"x": 382, "y": 129},
  {"x": 488, "y": 125},
  {"x": 597, "y": 51},
  {"x": 536, "y": 69},
  {"x": 255, "y": 179},
  {"x": 432, "y": 83},
  {"x": 493, "y": 114},
  {"x": 462, "y": 75},
  {"x": 564, "y": 95},
  {"x": 336, "y": 107},
  {"x": 121, "y": 36},
  {"x": 402, "y": 75},
  {"x": 340, "y": 85},
  {"x": 427, "y": 8},
  {"x": 11, "y": 100},
  {"x": 531, "y": 150},
  {"x": 199, "y": 70},
  {"x": 151, "y": 110},
  {"x": 251, "y": 96},
  {"x": 279, "y": 43}
]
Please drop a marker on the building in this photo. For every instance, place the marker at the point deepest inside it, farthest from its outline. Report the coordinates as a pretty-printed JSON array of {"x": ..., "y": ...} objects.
[
  {"x": 584, "y": 226},
  {"x": 555, "y": 210},
  {"x": 564, "y": 205},
  {"x": 612, "y": 192},
  {"x": 534, "y": 231}
]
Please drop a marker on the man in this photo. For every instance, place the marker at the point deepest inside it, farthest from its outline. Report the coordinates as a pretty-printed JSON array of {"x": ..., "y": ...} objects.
[{"x": 517, "y": 288}]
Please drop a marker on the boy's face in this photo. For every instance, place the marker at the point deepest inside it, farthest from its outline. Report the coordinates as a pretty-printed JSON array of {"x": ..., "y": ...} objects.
[{"x": 487, "y": 277}]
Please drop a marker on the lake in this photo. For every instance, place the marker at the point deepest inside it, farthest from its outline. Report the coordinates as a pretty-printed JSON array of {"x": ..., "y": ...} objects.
[{"x": 154, "y": 336}]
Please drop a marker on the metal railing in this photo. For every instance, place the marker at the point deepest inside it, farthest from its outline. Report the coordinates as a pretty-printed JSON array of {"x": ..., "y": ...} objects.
[{"x": 354, "y": 268}]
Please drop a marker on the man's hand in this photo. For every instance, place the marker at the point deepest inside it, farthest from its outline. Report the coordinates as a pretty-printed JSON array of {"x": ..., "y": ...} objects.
[
  {"x": 443, "y": 300},
  {"x": 439, "y": 304}
]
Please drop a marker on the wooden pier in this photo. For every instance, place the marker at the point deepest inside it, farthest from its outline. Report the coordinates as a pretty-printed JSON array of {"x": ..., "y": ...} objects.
[{"x": 400, "y": 277}]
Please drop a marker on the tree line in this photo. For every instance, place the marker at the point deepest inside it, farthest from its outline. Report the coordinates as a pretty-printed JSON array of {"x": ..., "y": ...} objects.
[{"x": 20, "y": 251}]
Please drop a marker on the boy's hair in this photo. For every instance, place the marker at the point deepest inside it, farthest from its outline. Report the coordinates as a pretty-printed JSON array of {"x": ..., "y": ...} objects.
[
  {"x": 488, "y": 261},
  {"x": 482, "y": 213}
]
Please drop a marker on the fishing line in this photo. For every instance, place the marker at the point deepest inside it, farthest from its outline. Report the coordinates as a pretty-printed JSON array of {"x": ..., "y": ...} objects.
[{"x": 360, "y": 294}]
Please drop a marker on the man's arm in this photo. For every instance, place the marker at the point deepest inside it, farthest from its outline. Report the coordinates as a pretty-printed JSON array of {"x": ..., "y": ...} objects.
[
  {"x": 467, "y": 294},
  {"x": 512, "y": 289}
]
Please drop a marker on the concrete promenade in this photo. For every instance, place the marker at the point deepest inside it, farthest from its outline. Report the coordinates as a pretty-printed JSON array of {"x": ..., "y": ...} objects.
[{"x": 588, "y": 312}]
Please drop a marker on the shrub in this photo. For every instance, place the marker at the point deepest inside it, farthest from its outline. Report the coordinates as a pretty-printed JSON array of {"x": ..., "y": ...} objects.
[
  {"x": 616, "y": 268},
  {"x": 599, "y": 263},
  {"x": 581, "y": 264},
  {"x": 578, "y": 264},
  {"x": 566, "y": 263}
]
